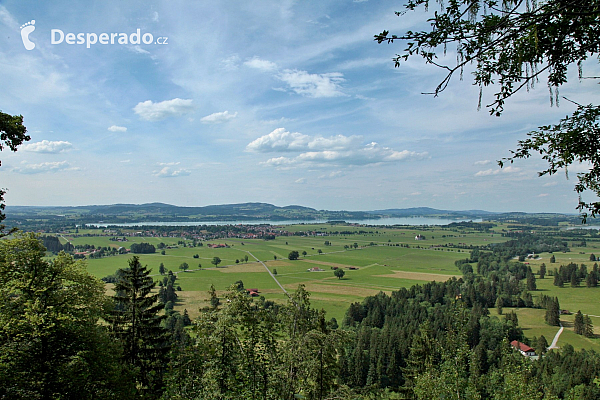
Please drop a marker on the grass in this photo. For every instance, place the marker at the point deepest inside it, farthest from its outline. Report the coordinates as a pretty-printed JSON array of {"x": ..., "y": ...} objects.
[{"x": 382, "y": 266}]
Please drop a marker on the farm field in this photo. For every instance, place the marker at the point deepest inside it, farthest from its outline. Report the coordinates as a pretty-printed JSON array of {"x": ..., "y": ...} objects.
[
  {"x": 381, "y": 258},
  {"x": 385, "y": 259}
]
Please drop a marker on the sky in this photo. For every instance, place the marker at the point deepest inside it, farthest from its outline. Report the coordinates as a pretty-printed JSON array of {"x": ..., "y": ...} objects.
[{"x": 284, "y": 102}]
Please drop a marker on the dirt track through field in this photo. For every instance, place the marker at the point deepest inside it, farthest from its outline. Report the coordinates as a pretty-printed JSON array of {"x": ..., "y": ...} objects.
[{"x": 420, "y": 276}]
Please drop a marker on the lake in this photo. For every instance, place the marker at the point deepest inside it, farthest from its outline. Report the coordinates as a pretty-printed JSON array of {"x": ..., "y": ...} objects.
[{"x": 413, "y": 221}]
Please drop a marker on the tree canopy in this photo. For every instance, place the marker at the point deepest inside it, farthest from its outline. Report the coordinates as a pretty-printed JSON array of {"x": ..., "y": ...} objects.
[
  {"x": 12, "y": 134},
  {"x": 512, "y": 45}
]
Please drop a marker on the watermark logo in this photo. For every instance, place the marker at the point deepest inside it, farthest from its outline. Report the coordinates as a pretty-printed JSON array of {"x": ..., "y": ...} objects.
[
  {"x": 26, "y": 29},
  {"x": 57, "y": 36}
]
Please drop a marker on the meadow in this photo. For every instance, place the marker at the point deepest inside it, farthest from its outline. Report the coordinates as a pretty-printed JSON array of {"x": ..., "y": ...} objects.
[{"x": 385, "y": 259}]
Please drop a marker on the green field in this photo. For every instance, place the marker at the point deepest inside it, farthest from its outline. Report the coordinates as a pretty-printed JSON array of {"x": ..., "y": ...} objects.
[{"x": 386, "y": 259}]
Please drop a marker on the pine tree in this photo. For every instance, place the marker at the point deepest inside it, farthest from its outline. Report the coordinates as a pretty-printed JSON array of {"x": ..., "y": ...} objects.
[
  {"x": 541, "y": 345},
  {"x": 136, "y": 322},
  {"x": 557, "y": 279},
  {"x": 578, "y": 325},
  {"x": 531, "y": 286},
  {"x": 552, "y": 259},
  {"x": 553, "y": 312},
  {"x": 499, "y": 304},
  {"x": 542, "y": 271},
  {"x": 588, "y": 328}
]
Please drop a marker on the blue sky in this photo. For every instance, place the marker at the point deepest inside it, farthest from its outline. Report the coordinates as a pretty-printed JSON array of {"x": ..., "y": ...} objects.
[{"x": 284, "y": 102}]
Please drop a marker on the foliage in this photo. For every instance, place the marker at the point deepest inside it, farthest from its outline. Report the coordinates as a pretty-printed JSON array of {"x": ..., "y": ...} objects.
[
  {"x": 511, "y": 44},
  {"x": 51, "y": 342},
  {"x": 339, "y": 273},
  {"x": 249, "y": 349},
  {"x": 135, "y": 321},
  {"x": 215, "y": 261},
  {"x": 12, "y": 135},
  {"x": 143, "y": 248},
  {"x": 294, "y": 255},
  {"x": 575, "y": 139}
]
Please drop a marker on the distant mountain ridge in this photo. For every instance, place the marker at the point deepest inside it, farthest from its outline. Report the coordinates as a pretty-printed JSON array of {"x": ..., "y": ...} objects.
[
  {"x": 253, "y": 211},
  {"x": 428, "y": 211}
]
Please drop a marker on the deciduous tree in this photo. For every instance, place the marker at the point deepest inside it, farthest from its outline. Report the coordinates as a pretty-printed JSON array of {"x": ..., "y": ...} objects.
[
  {"x": 512, "y": 45},
  {"x": 52, "y": 345}
]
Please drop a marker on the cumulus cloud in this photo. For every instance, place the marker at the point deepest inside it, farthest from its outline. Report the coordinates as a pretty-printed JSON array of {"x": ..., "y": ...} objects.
[
  {"x": 281, "y": 140},
  {"x": 151, "y": 111},
  {"x": 372, "y": 153},
  {"x": 262, "y": 65},
  {"x": 116, "y": 128},
  {"x": 46, "y": 146},
  {"x": 313, "y": 85},
  {"x": 44, "y": 167},
  {"x": 168, "y": 172},
  {"x": 218, "y": 117},
  {"x": 321, "y": 151},
  {"x": 505, "y": 170}
]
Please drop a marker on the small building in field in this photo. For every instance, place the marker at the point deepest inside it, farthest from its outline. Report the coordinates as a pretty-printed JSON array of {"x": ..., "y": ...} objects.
[
  {"x": 315, "y": 269},
  {"x": 419, "y": 237},
  {"x": 523, "y": 348}
]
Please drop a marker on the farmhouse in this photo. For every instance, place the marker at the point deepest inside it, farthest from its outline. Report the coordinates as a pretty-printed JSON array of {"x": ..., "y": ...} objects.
[
  {"x": 315, "y": 269},
  {"x": 523, "y": 348}
]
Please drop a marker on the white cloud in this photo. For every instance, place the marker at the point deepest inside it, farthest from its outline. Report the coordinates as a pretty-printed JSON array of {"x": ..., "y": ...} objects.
[
  {"x": 46, "y": 146},
  {"x": 505, "y": 170},
  {"x": 168, "y": 172},
  {"x": 44, "y": 167},
  {"x": 262, "y": 65},
  {"x": 282, "y": 140},
  {"x": 369, "y": 154},
  {"x": 321, "y": 151},
  {"x": 151, "y": 111},
  {"x": 116, "y": 128},
  {"x": 218, "y": 118},
  {"x": 170, "y": 164},
  {"x": 549, "y": 184},
  {"x": 483, "y": 162},
  {"x": 230, "y": 63},
  {"x": 313, "y": 85},
  {"x": 330, "y": 175},
  {"x": 300, "y": 181},
  {"x": 155, "y": 17},
  {"x": 543, "y": 195},
  {"x": 137, "y": 49}
]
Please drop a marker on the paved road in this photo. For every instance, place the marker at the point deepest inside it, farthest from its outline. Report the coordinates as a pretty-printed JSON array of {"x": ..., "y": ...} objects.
[{"x": 553, "y": 345}]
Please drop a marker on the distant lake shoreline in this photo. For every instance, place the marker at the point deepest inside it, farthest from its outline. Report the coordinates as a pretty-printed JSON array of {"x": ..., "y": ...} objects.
[{"x": 412, "y": 221}]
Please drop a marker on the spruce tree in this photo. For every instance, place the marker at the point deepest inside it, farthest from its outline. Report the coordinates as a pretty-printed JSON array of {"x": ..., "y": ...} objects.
[
  {"x": 135, "y": 321},
  {"x": 531, "y": 286},
  {"x": 588, "y": 328},
  {"x": 578, "y": 325},
  {"x": 553, "y": 312},
  {"x": 541, "y": 345},
  {"x": 542, "y": 271}
]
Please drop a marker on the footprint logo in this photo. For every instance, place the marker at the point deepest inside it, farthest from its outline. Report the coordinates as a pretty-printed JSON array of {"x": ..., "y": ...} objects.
[{"x": 26, "y": 29}]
